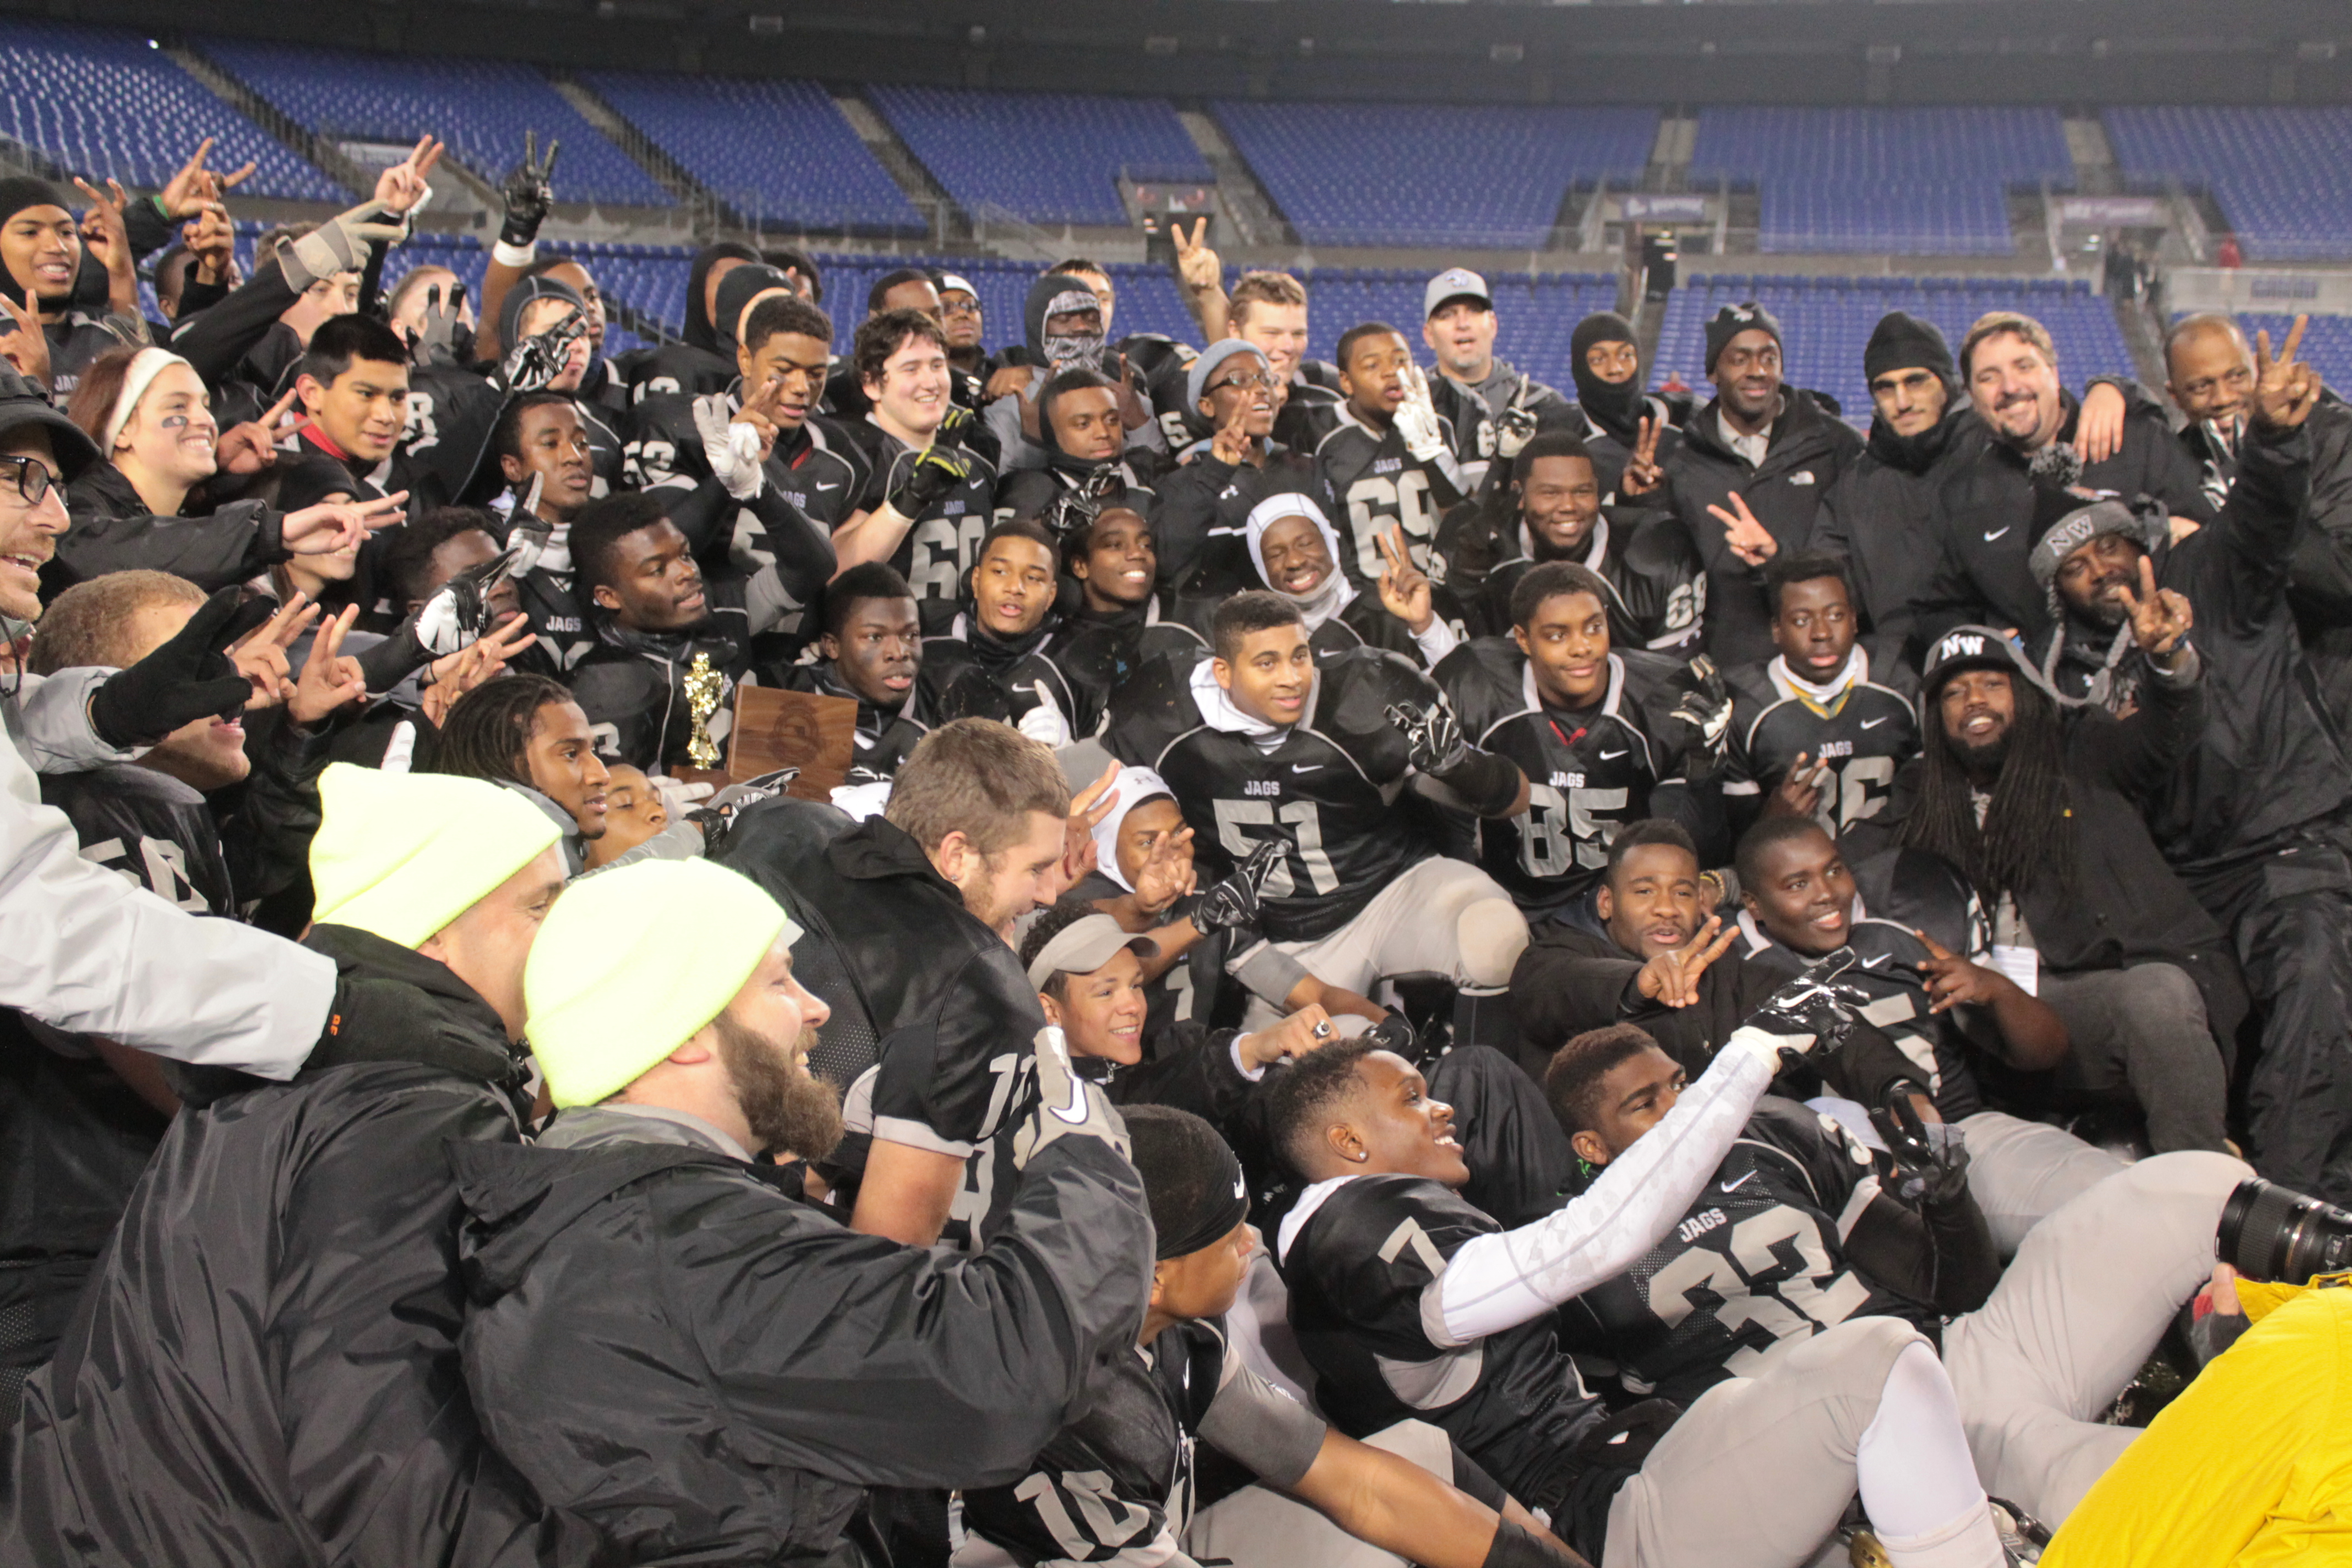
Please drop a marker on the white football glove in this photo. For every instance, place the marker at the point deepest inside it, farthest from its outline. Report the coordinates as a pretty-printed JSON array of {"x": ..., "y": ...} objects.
[
  {"x": 1044, "y": 722},
  {"x": 731, "y": 449},
  {"x": 1416, "y": 417}
]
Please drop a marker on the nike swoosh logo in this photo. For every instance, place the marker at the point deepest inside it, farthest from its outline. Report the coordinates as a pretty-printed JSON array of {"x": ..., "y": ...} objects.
[
  {"x": 1995, "y": 533},
  {"x": 1612, "y": 756},
  {"x": 1874, "y": 723},
  {"x": 832, "y": 487},
  {"x": 1306, "y": 768},
  {"x": 1874, "y": 962},
  {"x": 1734, "y": 1187},
  {"x": 1239, "y": 1190}
]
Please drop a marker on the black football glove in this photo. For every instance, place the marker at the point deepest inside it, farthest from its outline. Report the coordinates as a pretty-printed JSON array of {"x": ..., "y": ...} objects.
[
  {"x": 1933, "y": 1156},
  {"x": 1233, "y": 902},
  {"x": 459, "y": 613},
  {"x": 1433, "y": 737},
  {"x": 1705, "y": 708},
  {"x": 954, "y": 426},
  {"x": 443, "y": 338},
  {"x": 535, "y": 363},
  {"x": 1816, "y": 1003},
  {"x": 1515, "y": 427},
  {"x": 189, "y": 677},
  {"x": 529, "y": 197},
  {"x": 929, "y": 480}
]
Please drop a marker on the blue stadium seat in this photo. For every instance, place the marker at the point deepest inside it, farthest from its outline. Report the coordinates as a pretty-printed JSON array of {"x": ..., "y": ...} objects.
[
  {"x": 2278, "y": 174},
  {"x": 480, "y": 108},
  {"x": 1048, "y": 157},
  {"x": 1920, "y": 182},
  {"x": 104, "y": 102},
  {"x": 1824, "y": 329},
  {"x": 779, "y": 153},
  {"x": 1367, "y": 173}
]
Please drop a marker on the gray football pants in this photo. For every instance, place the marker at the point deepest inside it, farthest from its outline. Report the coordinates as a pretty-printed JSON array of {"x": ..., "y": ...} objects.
[{"x": 2072, "y": 1319}]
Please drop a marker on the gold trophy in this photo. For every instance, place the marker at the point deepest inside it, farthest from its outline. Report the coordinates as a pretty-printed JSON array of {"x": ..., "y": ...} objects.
[{"x": 703, "y": 685}]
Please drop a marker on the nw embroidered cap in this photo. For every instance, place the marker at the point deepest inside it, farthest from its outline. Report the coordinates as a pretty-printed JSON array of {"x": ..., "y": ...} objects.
[
  {"x": 1454, "y": 283},
  {"x": 1733, "y": 319}
]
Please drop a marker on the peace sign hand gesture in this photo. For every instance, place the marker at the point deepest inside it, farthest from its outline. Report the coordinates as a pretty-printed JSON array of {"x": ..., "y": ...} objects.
[
  {"x": 1746, "y": 537},
  {"x": 2285, "y": 391},
  {"x": 1672, "y": 977},
  {"x": 1952, "y": 979},
  {"x": 1642, "y": 473},
  {"x": 1404, "y": 587},
  {"x": 2160, "y": 616},
  {"x": 1198, "y": 267}
]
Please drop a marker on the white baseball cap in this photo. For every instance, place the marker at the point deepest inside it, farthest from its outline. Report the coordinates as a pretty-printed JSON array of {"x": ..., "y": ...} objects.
[{"x": 1454, "y": 283}]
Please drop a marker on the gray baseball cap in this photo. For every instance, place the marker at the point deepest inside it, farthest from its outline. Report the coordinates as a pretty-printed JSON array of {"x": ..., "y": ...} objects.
[
  {"x": 1085, "y": 945},
  {"x": 1454, "y": 283}
]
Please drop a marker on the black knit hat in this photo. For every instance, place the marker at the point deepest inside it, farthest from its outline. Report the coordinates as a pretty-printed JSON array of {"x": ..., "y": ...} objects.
[
  {"x": 1191, "y": 1182},
  {"x": 23, "y": 403},
  {"x": 1734, "y": 320},
  {"x": 1904, "y": 342}
]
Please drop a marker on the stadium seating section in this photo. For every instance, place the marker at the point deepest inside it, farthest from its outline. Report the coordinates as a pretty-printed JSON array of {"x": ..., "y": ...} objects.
[
  {"x": 777, "y": 152},
  {"x": 1914, "y": 182},
  {"x": 480, "y": 108},
  {"x": 1824, "y": 323},
  {"x": 1051, "y": 158},
  {"x": 2278, "y": 174},
  {"x": 102, "y": 101},
  {"x": 2327, "y": 342},
  {"x": 1362, "y": 174}
]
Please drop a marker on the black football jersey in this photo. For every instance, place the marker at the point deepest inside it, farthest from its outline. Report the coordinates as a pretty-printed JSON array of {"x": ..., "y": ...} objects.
[
  {"x": 944, "y": 542},
  {"x": 1657, "y": 584},
  {"x": 1033, "y": 492},
  {"x": 1370, "y": 484},
  {"x": 1886, "y": 965},
  {"x": 1759, "y": 1258},
  {"x": 1359, "y": 1265},
  {"x": 149, "y": 827},
  {"x": 1584, "y": 783},
  {"x": 1864, "y": 736},
  {"x": 1164, "y": 367},
  {"x": 1116, "y": 1485},
  {"x": 1326, "y": 791}
]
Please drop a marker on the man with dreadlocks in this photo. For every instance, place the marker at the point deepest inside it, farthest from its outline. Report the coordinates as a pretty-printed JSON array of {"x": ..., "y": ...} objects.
[
  {"x": 2037, "y": 803},
  {"x": 2259, "y": 823}
]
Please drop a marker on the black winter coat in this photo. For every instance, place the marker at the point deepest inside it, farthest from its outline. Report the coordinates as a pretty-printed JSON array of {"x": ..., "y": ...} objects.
[
  {"x": 1985, "y": 507},
  {"x": 711, "y": 1370},
  {"x": 1806, "y": 450},
  {"x": 265, "y": 1366},
  {"x": 1881, "y": 516}
]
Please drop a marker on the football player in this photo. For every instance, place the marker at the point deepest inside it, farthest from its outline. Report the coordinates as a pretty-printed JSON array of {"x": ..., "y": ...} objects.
[
  {"x": 927, "y": 499},
  {"x": 1409, "y": 1302},
  {"x": 1801, "y": 1228},
  {"x": 1812, "y": 734},
  {"x": 1604, "y": 738},
  {"x": 1262, "y": 742},
  {"x": 1389, "y": 461}
]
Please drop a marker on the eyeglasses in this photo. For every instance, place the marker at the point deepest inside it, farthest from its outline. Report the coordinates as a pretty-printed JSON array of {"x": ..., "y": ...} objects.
[
  {"x": 33, "y": 478},
  {"x": 960, "y": 307},
  {"x": 1263, "y": 378}
]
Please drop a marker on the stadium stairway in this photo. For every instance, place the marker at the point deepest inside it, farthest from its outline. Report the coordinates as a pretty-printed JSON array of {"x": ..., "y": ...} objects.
[{"x": 642, "y": 149}]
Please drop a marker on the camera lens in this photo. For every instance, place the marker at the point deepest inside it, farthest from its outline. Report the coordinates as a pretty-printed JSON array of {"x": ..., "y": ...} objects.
[{"x": 2270, "y": 1232}]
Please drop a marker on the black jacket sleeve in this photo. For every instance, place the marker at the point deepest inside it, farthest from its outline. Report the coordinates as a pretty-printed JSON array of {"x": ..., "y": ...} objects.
[
  {"x": 2140, "y": 753},
  {"x": 267, "y": 841},
  {"x": 216, "y": 340},
  {"x": 1191, "y": 1068},
  {"x": 1939, "y": 1253},
  {"x": 239, "y": 541},
  {"x": 2260, "y": 526},
  {"x": 953, "y": 1371}
]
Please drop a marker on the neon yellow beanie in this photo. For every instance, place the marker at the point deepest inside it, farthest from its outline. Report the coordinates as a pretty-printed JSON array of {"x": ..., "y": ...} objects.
[
  {"x": 402, "y": 854},
  {"x": 633, "y": 961}
]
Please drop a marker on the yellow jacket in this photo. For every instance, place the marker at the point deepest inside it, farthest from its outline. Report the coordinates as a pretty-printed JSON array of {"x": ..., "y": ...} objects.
[{"x": 2249, "y": 1467}]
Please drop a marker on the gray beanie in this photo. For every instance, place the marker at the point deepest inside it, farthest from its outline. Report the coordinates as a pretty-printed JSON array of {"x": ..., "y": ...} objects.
[{"x": 1196, "y": 380}]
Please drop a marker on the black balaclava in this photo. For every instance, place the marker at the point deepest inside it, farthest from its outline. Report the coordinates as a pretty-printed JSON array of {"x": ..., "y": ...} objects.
[
  {"x": 1902, "y": 341},
  {"x": 737, "y": 289},
  {"x": 1055, "y": 294},
  {"x": 525, "y": 290},
  {"x": 699, "y": 333},
  {"x": 16, "y": 194},
  {"x": 1615, "y": 406}
]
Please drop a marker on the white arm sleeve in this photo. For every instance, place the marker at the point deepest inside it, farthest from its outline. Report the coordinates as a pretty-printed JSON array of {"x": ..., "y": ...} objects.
[
  {"x": 84, "y": 948},
  {"x": 1499, "y": 1282}
]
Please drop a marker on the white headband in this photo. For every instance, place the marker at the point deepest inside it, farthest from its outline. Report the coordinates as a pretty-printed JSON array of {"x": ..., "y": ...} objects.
[{"x": 145, "y": 366}]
